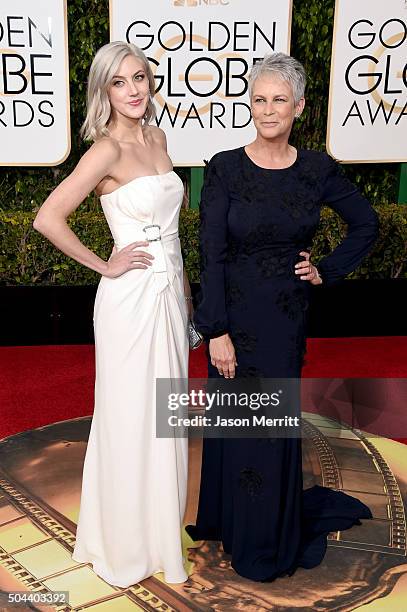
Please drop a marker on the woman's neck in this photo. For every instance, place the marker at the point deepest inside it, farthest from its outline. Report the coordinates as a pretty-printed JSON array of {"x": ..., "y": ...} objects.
[
  {"x": 127, "y": 130},
  {"x": 272, "y": 153}
]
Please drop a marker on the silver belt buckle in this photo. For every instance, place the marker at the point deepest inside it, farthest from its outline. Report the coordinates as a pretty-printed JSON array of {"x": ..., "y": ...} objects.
[{"x": 152, "y": 232}]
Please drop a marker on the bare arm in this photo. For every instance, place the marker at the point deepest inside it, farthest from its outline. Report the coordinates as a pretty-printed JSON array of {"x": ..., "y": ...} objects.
[{"x": 51, "y": 219}]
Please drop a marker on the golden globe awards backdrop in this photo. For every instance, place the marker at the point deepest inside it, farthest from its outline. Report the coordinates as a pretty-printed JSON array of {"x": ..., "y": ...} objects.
[
  {"x": 200, "y": 52},
  {"x": 367, "y": 117},
  {"x": 34, "y": 88}
]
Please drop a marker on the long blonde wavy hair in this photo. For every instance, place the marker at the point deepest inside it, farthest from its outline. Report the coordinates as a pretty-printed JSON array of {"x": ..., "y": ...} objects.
[{"x": 104, "y": 66}]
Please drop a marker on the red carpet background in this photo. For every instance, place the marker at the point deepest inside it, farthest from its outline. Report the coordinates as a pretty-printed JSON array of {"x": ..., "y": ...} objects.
[{"x": 45, "y": 384}]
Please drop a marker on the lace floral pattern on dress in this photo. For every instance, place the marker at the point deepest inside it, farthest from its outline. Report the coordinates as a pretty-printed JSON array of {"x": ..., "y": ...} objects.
[
  {"x": 251, "y": 481},
  {"x": 243, "y": 341},
  {"x": 293, "y": 303},
  {"x": 274, "y": 265}
]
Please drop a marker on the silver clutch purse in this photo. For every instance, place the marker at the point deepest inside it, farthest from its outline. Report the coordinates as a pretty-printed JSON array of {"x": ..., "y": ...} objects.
[{"x": 194, "y": 336}]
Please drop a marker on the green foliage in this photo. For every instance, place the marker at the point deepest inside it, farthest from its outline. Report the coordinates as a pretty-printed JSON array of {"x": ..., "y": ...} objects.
[
  {"x": 26, "y": 257},
  {"x": 188, "y": 233}
]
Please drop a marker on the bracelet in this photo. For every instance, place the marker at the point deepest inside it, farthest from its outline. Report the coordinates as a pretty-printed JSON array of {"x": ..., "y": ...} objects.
[{"x": 188, "y": 297}]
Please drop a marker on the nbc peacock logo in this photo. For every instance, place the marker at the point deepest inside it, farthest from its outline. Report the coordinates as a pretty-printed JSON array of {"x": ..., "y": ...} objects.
[{"x": 192, "y": 3}]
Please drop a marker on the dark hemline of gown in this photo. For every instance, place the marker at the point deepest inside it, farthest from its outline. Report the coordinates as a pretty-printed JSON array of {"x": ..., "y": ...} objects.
[{"x": 254, "y": 222}]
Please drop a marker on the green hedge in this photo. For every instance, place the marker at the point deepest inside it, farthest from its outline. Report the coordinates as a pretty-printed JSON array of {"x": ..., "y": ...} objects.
[{"x": 27, "y": 258}]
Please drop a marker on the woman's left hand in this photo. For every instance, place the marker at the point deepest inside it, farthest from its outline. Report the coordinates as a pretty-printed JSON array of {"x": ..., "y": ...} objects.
[{"x": 307, "y": 270}]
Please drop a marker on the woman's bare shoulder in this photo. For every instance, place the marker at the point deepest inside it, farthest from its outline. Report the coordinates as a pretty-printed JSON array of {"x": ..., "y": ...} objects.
[
  {"x": 98, "y": 161},
  {"x": 106, "y": 147},
  {"x": 156, "y": 134},
  {"x": 102, "y": 153}
]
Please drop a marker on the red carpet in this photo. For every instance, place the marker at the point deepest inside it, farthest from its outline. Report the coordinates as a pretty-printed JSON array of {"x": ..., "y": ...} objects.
[{"x": 44, "y": 384}]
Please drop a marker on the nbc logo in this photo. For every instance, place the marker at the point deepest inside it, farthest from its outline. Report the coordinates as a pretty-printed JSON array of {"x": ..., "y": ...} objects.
[
  {"x": 185, "y": 2},
  {"x": 200, "y": 2}
]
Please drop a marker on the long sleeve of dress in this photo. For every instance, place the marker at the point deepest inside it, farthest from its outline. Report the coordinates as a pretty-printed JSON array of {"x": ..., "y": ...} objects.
[
  {"x": 362, "y": 220},
  {"x": 210, "y": 316}
]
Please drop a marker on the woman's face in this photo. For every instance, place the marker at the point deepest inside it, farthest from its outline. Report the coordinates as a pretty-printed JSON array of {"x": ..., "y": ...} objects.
[
  {"x": 129, "y": 89},
  {"x": 273, "y": 107}
]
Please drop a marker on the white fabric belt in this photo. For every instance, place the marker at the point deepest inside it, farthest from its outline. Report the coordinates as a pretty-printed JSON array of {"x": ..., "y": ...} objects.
[
  {"x": 159, "y": 263},
  {"x": 156, "y": 248}
]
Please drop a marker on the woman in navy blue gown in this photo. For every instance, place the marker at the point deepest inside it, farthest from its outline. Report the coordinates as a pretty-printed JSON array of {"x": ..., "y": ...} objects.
[{"x": 260, "y": 208}]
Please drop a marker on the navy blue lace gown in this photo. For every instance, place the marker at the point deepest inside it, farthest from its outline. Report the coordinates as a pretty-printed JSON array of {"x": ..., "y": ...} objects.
[{"x": 254, "y": 222}]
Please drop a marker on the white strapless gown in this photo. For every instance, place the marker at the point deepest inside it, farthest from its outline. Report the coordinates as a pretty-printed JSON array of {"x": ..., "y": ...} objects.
[{"x": 134, "y": 485}]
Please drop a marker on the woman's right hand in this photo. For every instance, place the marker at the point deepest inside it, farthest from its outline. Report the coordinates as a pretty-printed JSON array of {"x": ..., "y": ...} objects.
[
  {"x": 127, "y": 259},
  {"x": 223, "y": 356}
]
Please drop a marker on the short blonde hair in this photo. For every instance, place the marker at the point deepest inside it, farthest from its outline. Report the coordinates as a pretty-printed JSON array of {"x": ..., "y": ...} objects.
[{"x": 104, "y": 66}]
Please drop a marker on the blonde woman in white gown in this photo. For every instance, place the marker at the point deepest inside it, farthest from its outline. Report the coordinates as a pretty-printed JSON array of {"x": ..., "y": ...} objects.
[{"x": 134, "y": 484}]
